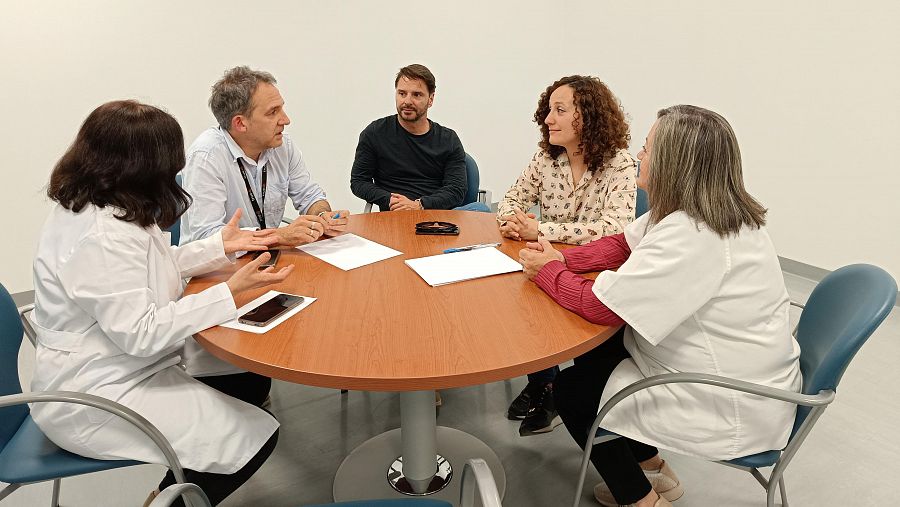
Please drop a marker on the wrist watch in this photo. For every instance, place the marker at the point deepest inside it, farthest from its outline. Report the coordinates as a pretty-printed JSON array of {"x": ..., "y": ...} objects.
[
  {"x": 322, "y": 214},
  {"x": 419, "y": 202}
]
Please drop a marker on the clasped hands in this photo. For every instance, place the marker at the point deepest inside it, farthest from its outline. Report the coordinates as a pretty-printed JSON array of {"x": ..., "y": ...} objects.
[
  {"x": 536, "y": 254},
  {"x": 400, "y": 202},
  {"x": 519, "y": 226},
  {"x": 308, "y": 228}
]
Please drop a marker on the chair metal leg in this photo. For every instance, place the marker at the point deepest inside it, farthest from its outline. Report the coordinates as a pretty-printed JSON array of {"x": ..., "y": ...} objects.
[
  {"x": 784, "y": 502},
  {"x": 54, "y": 500}
]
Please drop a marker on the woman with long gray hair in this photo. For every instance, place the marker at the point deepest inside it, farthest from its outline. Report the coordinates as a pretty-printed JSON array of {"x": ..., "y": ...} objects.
[{"x": 697, "y": 287}]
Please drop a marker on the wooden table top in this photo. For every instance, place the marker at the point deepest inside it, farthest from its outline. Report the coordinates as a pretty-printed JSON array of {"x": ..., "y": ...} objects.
[{"x": 380, "y": 327}]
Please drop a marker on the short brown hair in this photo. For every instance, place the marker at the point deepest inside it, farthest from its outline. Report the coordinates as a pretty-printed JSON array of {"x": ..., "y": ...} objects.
[
  {"x": 417, "y": 71},
  {"x": 125, "y": 155},
  {"x": 695, "y": 167},
  {"x": 599, "y": 120}
]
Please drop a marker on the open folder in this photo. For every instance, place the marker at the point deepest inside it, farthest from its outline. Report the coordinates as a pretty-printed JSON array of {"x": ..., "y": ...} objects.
[{"x": 456, "y": 267}]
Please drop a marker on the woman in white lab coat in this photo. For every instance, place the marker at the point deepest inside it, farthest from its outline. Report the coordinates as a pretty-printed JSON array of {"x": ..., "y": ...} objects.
[
  {"x": 698, "y": 288},
  {"x": 109, "y": 315}
]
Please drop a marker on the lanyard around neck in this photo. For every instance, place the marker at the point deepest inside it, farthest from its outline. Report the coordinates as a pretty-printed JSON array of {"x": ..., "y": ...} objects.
[{"x": 258, "y": 207}]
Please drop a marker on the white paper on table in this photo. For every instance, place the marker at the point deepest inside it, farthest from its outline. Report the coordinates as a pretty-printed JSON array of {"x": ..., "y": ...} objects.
[
  {"x": 458, "y": 266},
  {"x": 234, "y": 324},
  {"x": 348, "y": 251}
]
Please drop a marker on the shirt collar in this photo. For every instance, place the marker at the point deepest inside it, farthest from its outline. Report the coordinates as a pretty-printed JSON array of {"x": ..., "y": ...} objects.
[{"x": 237, "y": 152}]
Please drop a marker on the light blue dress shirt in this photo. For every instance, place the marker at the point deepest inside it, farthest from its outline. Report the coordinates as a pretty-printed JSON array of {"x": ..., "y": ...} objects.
[{"x": 213, "y": 178}]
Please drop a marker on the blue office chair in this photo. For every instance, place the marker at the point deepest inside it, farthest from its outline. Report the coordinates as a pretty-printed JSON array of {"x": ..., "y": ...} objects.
[
  {"x": 844, "y": 309},
  {"x": 473, "y": 180},
  {"x": 175, "y": 229},
  {"x": 476, "y": 468},
  {"x": 26, "y": 455},
  {"x": 641, "y": 205}
]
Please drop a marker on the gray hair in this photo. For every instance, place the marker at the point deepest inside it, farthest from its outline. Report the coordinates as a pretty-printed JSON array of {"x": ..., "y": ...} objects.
[
  {"x": 231, "y": 95},
  {"x": 695, "y": 167}
]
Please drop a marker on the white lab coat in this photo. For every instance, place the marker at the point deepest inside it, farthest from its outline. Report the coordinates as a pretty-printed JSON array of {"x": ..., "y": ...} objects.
[
  {"x": 110, "y": 321},
  {"x": 696, "y": 302}
]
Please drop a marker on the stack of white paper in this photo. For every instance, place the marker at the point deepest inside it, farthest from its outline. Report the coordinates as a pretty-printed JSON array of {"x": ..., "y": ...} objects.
[
  {"x": 348, "y": 251},
  {"x": 456, "y": 267}
]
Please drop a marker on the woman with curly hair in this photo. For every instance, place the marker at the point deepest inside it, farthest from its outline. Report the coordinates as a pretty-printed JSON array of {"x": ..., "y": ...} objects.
[{"x": 584, "y": 181}]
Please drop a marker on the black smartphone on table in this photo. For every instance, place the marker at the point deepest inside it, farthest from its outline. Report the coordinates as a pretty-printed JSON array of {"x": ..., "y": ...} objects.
[
  {"x": 272, "y": 260},
  {"x": 264, "y": 314}
]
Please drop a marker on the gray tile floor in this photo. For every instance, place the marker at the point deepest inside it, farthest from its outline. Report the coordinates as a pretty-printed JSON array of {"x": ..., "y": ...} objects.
[{"x": 847, "y": 460}]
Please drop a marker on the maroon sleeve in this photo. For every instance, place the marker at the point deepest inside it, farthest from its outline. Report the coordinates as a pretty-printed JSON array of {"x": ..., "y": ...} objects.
[
  {"x": 574, "y": 293},
  {"x": 608, "y": 252}
]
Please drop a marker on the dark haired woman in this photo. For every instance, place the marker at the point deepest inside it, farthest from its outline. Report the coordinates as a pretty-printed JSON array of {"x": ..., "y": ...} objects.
[
  {"x": 697, "y": 285},
  {"x": 584, "y": 181},
  {"x": 109, "y": 315}
]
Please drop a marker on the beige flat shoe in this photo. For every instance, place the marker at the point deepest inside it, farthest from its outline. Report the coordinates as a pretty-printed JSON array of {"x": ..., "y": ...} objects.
[
  {"x": 664, "y": 482},
  {"x": 660, "y": 502},
  {"x": 437, "y": 399}
]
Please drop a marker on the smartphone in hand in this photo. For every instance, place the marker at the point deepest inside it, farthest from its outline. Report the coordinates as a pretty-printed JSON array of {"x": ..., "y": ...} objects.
[
  {"x": 266, "y": 313},
  {"x": 274, "y": 254}
]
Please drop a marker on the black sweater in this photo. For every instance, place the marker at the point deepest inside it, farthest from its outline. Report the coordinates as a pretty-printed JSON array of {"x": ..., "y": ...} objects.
[{"x": 430, "y": 167}]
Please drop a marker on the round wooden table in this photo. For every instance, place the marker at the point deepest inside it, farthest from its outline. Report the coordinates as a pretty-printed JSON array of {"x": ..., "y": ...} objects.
[{"x": 380, "y": 327}]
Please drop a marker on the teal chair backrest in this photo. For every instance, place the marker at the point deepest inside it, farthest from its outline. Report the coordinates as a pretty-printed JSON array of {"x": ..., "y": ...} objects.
[
  {"x": 642, "y": 205},
  {"x": 473, "y": 180},
  {"x": 840, "y": 315},
  {"x": 175, "y": 229},
  {"x": 11, "y": 333}
]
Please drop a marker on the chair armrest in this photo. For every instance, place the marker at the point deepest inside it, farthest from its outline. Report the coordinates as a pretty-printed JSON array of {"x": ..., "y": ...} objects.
[
  {"x": 110, "y": 406},
  {"x": 191, "y": 492},
  {"x": 823, "y": 398},
  {"x": 26, "y": 324},
  {"x": 285, "y": 220},
  {"x": 808, "y": 400},
  {"x": 484, "y": 481},
  {"x": 368, "y": 208}
]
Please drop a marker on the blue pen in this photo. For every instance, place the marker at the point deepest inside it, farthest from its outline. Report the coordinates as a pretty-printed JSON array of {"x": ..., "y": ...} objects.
[
  {"x": 336, "y": 215},
  {"x": 470, "y": 247}
]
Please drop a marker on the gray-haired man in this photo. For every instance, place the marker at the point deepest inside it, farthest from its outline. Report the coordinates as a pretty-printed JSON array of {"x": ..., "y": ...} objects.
[{"x": 249, "y": 162}]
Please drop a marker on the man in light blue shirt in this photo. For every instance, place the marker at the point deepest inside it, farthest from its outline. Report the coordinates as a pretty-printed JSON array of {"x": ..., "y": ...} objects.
[{"x": 249, "y": 162}]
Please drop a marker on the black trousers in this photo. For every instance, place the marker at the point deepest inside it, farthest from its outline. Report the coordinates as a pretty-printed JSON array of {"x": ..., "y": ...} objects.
[
  {"x": 577, "y": 392},
  {"x": 250, "y": 388}
]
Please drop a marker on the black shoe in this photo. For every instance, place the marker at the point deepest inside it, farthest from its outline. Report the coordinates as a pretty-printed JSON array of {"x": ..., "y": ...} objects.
[
  {"x": 541, "y": 416},
  {"x": 519, "y": 406}
]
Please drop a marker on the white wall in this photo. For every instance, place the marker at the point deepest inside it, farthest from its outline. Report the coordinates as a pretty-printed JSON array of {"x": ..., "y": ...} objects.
[{"x": 809, "y": 86}]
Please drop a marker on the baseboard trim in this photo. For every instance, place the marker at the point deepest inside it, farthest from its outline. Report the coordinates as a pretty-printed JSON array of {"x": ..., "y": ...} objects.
[
  {"x": 803, "y": 270},
  {"x": 809, "y": 272},
  {"x": 23, "y": 298}
]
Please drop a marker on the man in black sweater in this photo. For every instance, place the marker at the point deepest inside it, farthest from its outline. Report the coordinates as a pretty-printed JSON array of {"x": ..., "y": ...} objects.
[{"x": 406, "y": 161}]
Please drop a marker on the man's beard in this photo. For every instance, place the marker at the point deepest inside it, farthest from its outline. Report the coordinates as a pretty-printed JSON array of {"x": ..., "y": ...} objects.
[{"x": 417, "y": 117}]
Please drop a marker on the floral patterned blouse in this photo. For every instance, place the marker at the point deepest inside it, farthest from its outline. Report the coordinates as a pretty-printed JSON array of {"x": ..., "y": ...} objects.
[{"x": 601, "y": 204}]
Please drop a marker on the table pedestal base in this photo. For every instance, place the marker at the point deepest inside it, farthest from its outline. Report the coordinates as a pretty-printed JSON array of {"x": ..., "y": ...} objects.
[{"x": 364, "y": 474}]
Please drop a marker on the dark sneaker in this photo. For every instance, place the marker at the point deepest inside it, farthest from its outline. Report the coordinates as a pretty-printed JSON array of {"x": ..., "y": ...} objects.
[
  {"x": 519, "y": 406},
  {"x": 541, "y": 416}
]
